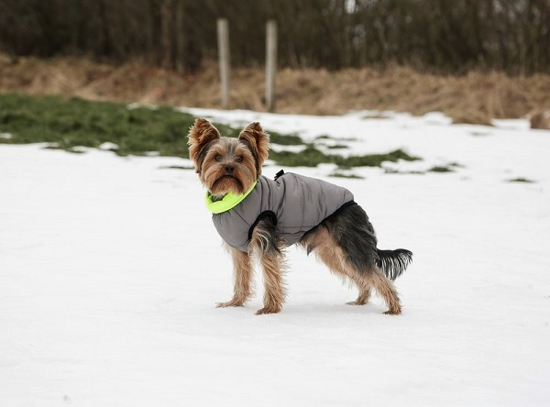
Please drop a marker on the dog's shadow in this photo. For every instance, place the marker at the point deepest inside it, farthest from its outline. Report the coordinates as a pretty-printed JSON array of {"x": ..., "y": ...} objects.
[
  {"x": 317, "y": 309},
  {"x": 323, "y": 308}
]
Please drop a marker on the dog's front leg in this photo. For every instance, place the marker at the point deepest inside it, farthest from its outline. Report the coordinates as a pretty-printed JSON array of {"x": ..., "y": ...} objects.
[
  {"x": 265, "y": 243},
  {"x": 274, "y": 294},
  {"x": 242, "y": 269}
]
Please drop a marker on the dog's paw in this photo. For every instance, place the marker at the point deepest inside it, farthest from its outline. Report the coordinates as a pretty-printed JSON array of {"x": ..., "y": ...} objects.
[
  {"x": 232, "y": 303},
  {"x": 357, "y": 302},
  {"x": 268, "y": 310},
  {"x": 393, "y": 312}
]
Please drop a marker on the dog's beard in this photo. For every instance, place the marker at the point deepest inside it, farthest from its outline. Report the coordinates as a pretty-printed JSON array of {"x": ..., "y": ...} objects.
[{"x": 225, "y": 184}]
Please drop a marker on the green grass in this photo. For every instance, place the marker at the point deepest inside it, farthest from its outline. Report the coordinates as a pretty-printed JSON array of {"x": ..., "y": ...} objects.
[
  {"x": 68, "y": 123},
  {"x": 76, "y": 122},
  {"x": 337, "y": 174},
  {"x": 372, "y": 160},
  {"x": 440, "y": 168},
  {"x": 327, "y": 137},
  {"x": 285, "y": 139},
  {"x": 393, "y": 171},
  {"x": 176, "y": 167},
  {"x": 311, "y": 157},
  {"x": 521, "y": 179}
]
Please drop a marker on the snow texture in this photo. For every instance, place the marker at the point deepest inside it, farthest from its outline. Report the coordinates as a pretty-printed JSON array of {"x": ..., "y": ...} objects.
[{"x": 110, "y": 268}]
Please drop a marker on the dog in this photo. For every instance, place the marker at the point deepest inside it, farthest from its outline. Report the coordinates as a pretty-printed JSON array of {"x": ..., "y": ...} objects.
[{"x": 258, "y": 216}]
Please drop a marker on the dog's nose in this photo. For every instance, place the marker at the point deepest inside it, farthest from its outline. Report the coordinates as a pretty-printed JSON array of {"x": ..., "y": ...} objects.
[{"x": 229, "y": 169}]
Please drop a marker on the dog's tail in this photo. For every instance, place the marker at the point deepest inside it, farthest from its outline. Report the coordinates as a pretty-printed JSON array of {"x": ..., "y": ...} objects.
[{"x": 393, "y": 262}]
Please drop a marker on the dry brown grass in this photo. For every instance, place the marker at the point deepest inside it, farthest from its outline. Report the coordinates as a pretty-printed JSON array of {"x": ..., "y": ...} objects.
[
  {"x": 473, "y": 98},
  {"x": 540, "y": 119}
]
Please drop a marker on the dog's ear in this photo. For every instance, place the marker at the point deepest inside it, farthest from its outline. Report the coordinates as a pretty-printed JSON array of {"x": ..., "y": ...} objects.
[
  {"x": 257, "y": 140},
  {"x": 200, "y": 136}
]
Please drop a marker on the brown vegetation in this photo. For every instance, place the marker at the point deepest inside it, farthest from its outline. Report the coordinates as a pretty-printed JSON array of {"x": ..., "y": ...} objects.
[
  {"x": 472, "y": 98},
  {"x": 540, "y": 119}
]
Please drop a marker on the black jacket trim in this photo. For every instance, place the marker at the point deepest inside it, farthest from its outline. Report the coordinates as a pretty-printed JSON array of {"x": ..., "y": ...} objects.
[
  {"x": 340, "y": 209},
  {"x": 264, "y": 214},
  {"x": 334, "y": 214}
]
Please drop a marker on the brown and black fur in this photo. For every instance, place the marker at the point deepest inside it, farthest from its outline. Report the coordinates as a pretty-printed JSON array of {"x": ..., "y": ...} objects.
[{"x": 345, "y": 241}]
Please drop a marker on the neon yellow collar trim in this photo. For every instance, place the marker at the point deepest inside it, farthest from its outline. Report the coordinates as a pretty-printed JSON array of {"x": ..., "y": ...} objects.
[{"x": 228, "y": 202}]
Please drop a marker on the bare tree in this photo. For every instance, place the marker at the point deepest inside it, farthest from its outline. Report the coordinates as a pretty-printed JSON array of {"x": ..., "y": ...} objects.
[{"x": 510, "y": 35}]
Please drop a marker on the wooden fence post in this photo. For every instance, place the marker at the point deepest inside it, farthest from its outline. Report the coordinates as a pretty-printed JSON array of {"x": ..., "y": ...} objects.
[
  {"x": 224, "y": 59},
  {"x": 270, "y": 64}
]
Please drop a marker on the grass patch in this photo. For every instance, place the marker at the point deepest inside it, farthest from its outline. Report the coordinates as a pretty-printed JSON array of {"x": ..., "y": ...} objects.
[
  {"x": 338, "y": 174},
  {"x": 68, "y": 123},
  {"x": 440, "y": 168},
  {"x": 76, "y": 151},
  {"x": 393, "y": 171},
  {"x": 176, "y": 167},
  {"x": 327, "y": 137},
  {"x": 311, "y": 157},
  {"x": 520, "y": 179},
  {"x": 285, "y": 139},
  {"x": 372, "y": 160}
]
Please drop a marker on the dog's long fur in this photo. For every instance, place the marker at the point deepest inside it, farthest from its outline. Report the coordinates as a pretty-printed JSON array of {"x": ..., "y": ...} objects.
[{"x": 345, "y": 241}]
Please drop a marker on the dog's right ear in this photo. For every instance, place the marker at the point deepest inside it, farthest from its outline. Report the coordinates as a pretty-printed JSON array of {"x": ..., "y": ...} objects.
[
  {"x": 200, "y": 136},
  {"x": 258, "y": 141}
]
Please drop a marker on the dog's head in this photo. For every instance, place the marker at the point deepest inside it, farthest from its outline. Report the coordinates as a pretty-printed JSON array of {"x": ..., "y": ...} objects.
[{"x": 227, "y": 164}]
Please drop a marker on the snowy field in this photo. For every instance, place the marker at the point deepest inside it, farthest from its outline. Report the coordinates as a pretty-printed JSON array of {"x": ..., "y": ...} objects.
[{"x": 110, "y": 268}]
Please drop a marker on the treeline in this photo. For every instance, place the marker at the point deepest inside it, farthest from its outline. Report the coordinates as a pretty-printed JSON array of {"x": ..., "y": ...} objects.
[{"x": 450, "y": 36}]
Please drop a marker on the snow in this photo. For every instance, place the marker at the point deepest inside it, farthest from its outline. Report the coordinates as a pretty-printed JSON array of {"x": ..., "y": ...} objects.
[
  {"x": 110, "y": 269},
  {"x": 108, "y": 146}
]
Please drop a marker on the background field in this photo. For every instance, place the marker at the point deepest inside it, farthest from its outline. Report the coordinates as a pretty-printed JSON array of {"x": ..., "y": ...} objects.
[{"x": 475, "y": 97}]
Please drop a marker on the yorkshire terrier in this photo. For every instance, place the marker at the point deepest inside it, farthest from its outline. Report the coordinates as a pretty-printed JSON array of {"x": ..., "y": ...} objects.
[{"x": 255, "y": 215}]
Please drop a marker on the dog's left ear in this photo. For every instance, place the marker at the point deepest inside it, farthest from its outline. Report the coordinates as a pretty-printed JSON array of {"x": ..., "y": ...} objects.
[
  {"x": 257, "y": 141},
  {"x": 200, "y": 136}
]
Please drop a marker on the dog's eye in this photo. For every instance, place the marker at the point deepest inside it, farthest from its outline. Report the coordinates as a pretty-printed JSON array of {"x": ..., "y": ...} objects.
[
  {"x": 218, "y": 157},
  {"x": 239, "y": 159}
]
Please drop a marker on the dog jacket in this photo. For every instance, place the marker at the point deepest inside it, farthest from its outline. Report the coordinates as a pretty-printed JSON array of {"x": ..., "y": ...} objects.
[{"x": 295, "y": 203}]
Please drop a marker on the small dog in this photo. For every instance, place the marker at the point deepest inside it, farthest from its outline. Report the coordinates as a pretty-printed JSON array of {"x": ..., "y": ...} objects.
[{"x": 255, "y": 215}]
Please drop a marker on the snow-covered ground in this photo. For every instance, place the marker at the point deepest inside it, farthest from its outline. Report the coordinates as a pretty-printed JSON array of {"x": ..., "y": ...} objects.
[{"x": 110, "y": 269}]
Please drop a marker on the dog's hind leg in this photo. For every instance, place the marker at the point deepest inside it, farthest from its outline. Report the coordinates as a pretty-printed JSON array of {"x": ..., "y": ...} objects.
[
  {"x": 332, "y": 255},
  {"x": 353, "y": 233},
  {"x": 264, "y": 242},
  {"x": 386, "y": 289},
  {"x": 364, "y": 291},
  {"x": 336, "y": 259},
  {"x": 242, "y": 269}
]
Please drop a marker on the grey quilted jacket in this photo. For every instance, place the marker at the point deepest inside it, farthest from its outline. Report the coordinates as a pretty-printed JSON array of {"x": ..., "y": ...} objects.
[{"x": 294, "y": 202}]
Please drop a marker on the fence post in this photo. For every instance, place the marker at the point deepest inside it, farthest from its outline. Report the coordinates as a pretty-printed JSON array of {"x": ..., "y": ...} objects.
[
  {"x": 270, "y": 64},
  {"x": 224, "y": 58}
]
